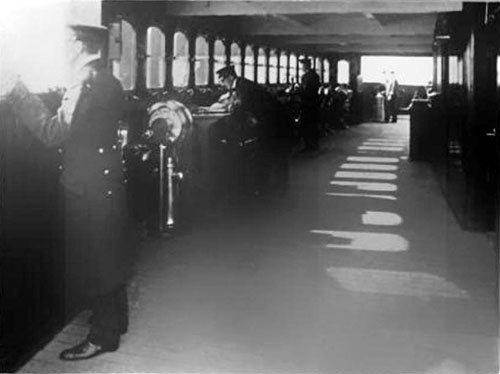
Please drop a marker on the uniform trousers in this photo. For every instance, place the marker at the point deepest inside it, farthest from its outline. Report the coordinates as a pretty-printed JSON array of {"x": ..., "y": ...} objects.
[
  {"x": 310, "y": 130},
  {"x": 391, "y": 112},
  {"x": 109, "y": 318},
  {"x": 273, "y": 172}
]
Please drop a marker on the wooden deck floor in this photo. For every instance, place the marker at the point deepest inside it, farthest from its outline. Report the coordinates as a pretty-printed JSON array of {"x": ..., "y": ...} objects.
[{"x": 332, "y": 278}]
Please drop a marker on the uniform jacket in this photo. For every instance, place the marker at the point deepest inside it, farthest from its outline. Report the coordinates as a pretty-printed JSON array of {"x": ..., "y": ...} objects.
[
  {"x": 96, "y": 224},
  {"x": 391, "y": 89},
  {"x": 309, "y": 89},
  {"x": 255, "y": 100},
  {"x": 309, "y": 99}
]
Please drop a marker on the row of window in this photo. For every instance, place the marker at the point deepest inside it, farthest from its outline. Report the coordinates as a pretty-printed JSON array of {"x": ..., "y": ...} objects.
[{"x": 282, "y": 68}]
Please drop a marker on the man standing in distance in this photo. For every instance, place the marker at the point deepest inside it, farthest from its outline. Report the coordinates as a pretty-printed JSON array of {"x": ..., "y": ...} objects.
[
  {"x": 391, "y": 93},
  {"x": 309, "y": 104}
]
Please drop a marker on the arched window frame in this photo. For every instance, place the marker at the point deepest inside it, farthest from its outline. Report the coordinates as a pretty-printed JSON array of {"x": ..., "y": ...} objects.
[
  {"x": 249, "y": 63},
  {"x": 127, "y": 75},
  {"x": 460, "y": 70},
  {"x": 283, "y": 67},
  {"x": 180, "y": 63},
  {"x": 261, "y": 65},
  {"x": 453, "y": 69},
  {"x": 343, "y": 71},
  {"x": 300, "y": 70},
  {"x": 220, "y": 59},
  {"x": 293, "y": 68},
  {"x": 160, "y": 59},
  {"x": 273, "y": 66},
  {"x": 326, "y": 71},
  {"x": 202, "y": 61},
  {"x": 235, "y": 50},
  {"x": 317, "y": 63},
  {"x": 318, "y": 67}
]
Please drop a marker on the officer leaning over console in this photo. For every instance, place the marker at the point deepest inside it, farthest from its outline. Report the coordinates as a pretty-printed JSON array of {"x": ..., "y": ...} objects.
[
  {"x": 98, "y": 235},
  {"x": 254, "y": 101}
]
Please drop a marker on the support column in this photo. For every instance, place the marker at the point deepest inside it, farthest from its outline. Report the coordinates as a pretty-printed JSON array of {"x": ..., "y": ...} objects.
[
  {"x": 211, "y": 60},
  {"x": 140, "y": 82},
  {"x": 169, "y": 56},
  {"x": 192, "y": 57},
  {"x": 268, "y": 57},
  {"x": 334, "y": 76}
]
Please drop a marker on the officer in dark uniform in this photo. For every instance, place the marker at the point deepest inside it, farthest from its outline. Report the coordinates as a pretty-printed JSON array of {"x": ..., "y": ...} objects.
[
  {"x": 248, "y": 97},
  {"x": 96, "y": 224},
  {"x": 309, "y": 105}
]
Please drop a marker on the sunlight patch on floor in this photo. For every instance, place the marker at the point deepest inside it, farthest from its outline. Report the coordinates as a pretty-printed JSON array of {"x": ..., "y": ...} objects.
[
  {"x": 388, "y": 140},
  {"x": 389, "y": 149},
  {"x": 365, "y": 175},
  {"x": 383, "y": 197},
  {"x": 365, "y": 241},
  {"x": 386, "y": 144},
  {"x": 390, "y": 282},
  {"x": 381, "y": 218},
  {"x": 373, "y": 159},
  {"x": 369, "y": 167},
  {"x": 368, "y": 186}
]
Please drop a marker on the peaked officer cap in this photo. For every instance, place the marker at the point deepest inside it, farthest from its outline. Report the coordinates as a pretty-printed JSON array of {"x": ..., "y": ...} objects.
[
  {"x": 87, "y": 33},
  {"x": 305, "y": 61},
  {"x": 226, "y": 71}
]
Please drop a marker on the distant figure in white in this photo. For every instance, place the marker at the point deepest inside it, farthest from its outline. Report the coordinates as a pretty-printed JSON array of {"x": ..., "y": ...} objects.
[
  {"x": 391, "y": 95},
  {"x": 380, "y": 105}
]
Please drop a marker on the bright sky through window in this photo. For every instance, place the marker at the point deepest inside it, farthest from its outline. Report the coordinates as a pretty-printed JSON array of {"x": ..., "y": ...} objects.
[
  {"x": 408, "y": 70},
  {"x": 32, "y": 38}
]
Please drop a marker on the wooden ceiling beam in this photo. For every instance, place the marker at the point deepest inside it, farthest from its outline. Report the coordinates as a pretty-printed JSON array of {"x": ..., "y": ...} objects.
[
  {"x": 344, "y": 39},
  {"x": 252, "y": 8},
  {"x": 422, "y": 49},
  {"x": 325, "y": 24}
]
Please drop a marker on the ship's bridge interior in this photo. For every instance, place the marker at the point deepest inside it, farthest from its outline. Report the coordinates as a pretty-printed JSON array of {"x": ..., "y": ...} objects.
[
  {"x": 325, "y": 27},
  {"x": 376, "y": 252}
]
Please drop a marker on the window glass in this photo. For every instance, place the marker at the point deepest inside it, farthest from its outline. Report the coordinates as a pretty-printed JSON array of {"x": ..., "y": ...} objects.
[
  {"x": 219, "y": 57},
  {"x": 125, "y": 68},
  {"x": 299, "y": 65},
  {"x": 155, "y": 60},
  {"x": 317, "y": 65},
  {"x": 273, "y": 67},
  {"x": 293, "y": 68},
  {"x": 180, "y": 65},
  {"x": 411, "y": 70},
  {"x": 236, "y": 58},
  {"x": 343, "y": 72},
  {"x": 201, "y": 62},
  {"x": 453, "y": 69},
  {"x": 326, "y": 71},
  {"x": 460, "y": 70},
  {"x": 318, "y": 68},
  {"x": 249, "y": 63},
  {"x": 283, "y": 67},
  {"x": 261, "y": 66}
]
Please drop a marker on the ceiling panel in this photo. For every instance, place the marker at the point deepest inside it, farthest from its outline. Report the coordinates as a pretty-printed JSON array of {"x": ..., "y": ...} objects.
[{"x": 324, "y": 27}]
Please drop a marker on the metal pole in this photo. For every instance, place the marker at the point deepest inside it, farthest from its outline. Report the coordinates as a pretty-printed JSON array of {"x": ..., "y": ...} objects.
[
  {"x": 161, "y": 185},
  {"x": 170, "y": 176}
]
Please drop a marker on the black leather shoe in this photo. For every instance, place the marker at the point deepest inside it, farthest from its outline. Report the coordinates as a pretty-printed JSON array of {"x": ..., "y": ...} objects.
[{"x": 84, "y": 351}]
